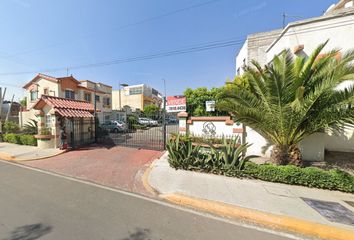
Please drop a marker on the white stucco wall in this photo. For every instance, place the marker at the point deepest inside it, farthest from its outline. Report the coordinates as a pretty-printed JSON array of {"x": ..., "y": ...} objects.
[
  {"x": 196, "y": 128},
  {"x": 53, "y": 90},
  {"x": 241, "y": 57},
  {"x": 338, "y": 30},
  {"x": 258, "y": 143}
]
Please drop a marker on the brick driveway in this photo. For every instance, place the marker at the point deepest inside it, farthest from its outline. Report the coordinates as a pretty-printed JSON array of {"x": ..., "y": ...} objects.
[{"x": 117, "y": 167}]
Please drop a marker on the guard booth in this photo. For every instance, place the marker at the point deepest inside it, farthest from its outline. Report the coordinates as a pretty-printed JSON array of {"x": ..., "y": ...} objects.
[{"x": 54, "y": 113}]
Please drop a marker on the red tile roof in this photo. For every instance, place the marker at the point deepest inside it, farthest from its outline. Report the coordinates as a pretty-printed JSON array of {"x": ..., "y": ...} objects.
[{"x": 66, "y": 107}]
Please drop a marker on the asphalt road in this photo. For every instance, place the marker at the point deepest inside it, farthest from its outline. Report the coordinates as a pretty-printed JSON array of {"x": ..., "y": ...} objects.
[{"x": 36, "y": 205}]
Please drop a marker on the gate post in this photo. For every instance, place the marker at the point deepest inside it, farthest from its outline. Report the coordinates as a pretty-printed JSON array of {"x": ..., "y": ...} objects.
[{"x": 164, "y": 123}]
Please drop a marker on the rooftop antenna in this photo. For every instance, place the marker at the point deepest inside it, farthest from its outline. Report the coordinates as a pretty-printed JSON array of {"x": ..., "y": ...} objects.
[
  {"x": 67, "y": 72},
  {"x": 285, "y": 16}
]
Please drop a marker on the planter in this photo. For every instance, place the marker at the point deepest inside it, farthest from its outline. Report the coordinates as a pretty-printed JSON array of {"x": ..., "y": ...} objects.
[
  {"x": 44, "y": 137},
  {"x": 45, "y": 141}
]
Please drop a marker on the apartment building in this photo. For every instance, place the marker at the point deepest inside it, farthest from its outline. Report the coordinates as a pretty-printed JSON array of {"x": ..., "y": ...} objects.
[
  {"x": 302, "y": 37},
  {"x": 68, "y": 88},
  {"x": 136, "y": 97}
]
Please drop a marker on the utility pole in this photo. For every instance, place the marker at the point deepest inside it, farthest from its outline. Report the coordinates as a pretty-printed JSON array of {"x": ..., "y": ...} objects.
[
  {"x": 120, "y": 97},
  {"x": 2, "y": 97},
  {"x": 9, "y": 110},
  {"x": 164, "y": 117},
  {"x": 95, "y": 113}
]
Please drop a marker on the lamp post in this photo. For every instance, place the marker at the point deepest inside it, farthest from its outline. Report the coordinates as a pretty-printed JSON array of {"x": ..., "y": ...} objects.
[{"x": 120, "y": 96}]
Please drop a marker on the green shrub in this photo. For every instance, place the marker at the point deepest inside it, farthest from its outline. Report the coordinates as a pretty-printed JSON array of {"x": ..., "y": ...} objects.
[
  {"x": 29, "y": 140},
  {"x": 11, "y": 127},
  {"x": 12, "y": 138},
  {"x": 310, "y": 176},
  {"x": 20, "y": 139},
  {"x": 137, "y": 126}
]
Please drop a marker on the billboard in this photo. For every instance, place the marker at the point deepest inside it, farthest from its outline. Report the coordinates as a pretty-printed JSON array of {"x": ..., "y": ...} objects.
[{"x": 176, "y": 104}]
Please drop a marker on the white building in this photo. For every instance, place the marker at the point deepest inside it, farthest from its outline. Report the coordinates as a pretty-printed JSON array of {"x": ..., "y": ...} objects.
[{"x": 302, "y": 37}]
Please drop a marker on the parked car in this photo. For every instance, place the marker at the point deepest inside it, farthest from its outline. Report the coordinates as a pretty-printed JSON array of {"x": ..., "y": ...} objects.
[
  {"x": 171, "y": 120},
  {"x": 114, "y": 126},
  {"x": 147, "y": 122}
]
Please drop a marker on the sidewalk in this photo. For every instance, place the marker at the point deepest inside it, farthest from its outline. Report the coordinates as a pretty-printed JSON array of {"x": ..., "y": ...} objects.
[
  {"x": 14, "y": 152},
  {"x": 272, "y": 198}
]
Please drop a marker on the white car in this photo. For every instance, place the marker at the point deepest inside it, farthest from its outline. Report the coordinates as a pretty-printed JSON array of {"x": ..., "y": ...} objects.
[
  {"x": 114, "y": 126},
  {"x": 147, "y": 122}
]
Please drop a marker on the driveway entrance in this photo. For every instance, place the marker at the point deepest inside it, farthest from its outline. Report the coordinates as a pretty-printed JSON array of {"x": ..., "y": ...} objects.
[
  {"x": 118, "y": 167},
  {"x": 146, "y": 138}
]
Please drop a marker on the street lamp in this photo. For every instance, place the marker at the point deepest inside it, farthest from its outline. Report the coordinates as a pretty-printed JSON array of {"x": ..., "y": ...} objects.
[{"x": 120, "y": 97}]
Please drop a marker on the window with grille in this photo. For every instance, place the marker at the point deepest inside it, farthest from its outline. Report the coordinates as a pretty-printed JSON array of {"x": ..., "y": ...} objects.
[
  {"x": 87, "y": 97},
  {"x": 34, "y": 95},
  {"x": 106, "y": 102},
  {"x": 48, "y": 121},
  {"x": 70, "y": 94}
]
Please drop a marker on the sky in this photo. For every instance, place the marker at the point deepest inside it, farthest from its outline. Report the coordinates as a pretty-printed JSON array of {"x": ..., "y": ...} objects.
[{"x": 37, "y": 35}]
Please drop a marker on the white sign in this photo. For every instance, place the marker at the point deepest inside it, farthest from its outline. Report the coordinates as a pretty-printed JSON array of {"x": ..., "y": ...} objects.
[{"x": 210, "y": 106}]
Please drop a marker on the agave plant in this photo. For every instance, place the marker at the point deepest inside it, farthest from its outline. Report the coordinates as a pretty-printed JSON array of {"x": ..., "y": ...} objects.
[
  {"x": 31, "y": 127},
  {"x": 182, "y": 154},
  {"x": 292, "y": 98},
  {"x": 230, "y": 154}
]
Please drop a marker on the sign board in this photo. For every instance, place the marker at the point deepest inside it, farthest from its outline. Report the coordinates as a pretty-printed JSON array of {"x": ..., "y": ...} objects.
[
  {"x": 210, "y": 106},
  {"x": 176, "y": 104}
]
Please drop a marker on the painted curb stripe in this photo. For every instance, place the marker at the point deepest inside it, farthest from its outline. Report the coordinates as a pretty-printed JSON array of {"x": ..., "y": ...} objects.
[{"x": 274, "y": 221}]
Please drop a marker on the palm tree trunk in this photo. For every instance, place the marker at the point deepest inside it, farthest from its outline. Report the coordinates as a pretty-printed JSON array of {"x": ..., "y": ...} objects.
[
  {"x": 295, "y": 157},
  {"x": 283, "y": 155},
  {"x": 279, "y": 155}
]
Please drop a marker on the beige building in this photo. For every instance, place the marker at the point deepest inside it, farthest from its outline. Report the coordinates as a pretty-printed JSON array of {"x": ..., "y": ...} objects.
[
  {"x": 136, "y": 97},
  {"x": 69, "y": 88}
]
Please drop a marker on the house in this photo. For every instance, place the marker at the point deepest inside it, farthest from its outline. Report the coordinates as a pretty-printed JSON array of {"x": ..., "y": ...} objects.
[
  {"x": 136, "y": 97},
  {"x": 68, "y": 88},
  {"x": 302, "y": 37}
]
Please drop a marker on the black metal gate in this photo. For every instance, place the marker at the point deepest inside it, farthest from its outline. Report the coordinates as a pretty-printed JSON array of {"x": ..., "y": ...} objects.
[
  {"x": 141, "y": 134},
  {"x": 80, "y": 131}
]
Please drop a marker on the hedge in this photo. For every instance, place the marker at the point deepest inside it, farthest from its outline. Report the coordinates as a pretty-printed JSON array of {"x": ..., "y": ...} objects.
[
  {"x": 21, "y": 139},
  {"x": 310, "y": 176}
]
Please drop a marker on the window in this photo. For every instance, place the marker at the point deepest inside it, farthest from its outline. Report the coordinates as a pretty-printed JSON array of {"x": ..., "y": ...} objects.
[
  {"x": 106, "y": 102},
  {"x": 97, "y": 98},
  {"x": 46, "y": 91},
  {"x": 69, "y": 94},
  {"x": 87, "y": 97},
  {"x": 48, "y": 121},
  {"x": 135, "y": 90},
  {"x": 34, "y": 95},
  {"x": 155, "y": 92}
]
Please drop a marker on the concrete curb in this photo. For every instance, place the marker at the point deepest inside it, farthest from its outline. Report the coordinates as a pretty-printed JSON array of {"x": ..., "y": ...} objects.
[
  {"x": 145, "y": 179},
  {"x": 290, "y": 224},
  {"x": 8, "y": 157}
]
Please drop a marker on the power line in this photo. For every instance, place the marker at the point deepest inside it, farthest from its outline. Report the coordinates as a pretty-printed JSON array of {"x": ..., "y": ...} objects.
[
  {"x": 186, "y": 50},
  {"x": 149, "y": 19}
]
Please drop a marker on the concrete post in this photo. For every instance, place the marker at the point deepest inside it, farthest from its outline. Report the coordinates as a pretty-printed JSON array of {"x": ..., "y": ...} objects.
[{"x": 183, "y": 125}]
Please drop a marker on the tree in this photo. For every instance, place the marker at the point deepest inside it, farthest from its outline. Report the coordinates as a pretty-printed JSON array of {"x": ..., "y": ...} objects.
[
  {"x": 290, "y": 99},
  {"x": 151, "y": 110},
  {"x": 196, "y": 99},
  {"x": 23, "y": 102}
]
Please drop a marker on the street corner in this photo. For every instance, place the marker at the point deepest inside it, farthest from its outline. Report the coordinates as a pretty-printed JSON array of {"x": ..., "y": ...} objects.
[
  {"x": 288, "y": 224},
  {"x": 146, "y": 175}
]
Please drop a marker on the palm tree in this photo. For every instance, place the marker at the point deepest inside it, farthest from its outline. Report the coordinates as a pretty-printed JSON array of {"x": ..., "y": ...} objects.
[{"x": 291, "y": 98}]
